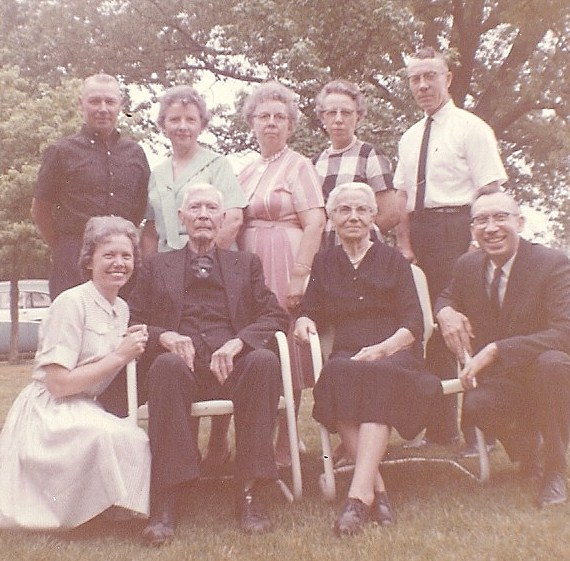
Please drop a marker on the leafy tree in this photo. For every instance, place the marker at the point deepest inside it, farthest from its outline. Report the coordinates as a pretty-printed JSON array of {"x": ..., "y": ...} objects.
[
  {"x": 512, "y": 62},
  {"x": 27, "y": 124}
]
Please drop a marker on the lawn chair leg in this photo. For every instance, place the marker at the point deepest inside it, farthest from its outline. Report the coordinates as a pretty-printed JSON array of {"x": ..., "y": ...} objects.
[
  {"x": 484, "y": 467},
  {"x": 296, "y": 475}
]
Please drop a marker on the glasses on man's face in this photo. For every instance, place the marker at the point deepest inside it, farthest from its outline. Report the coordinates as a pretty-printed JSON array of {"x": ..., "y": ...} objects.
[
  {"x": 429, "y": 77},
  {"x": 498, "y": 218},
  {"x": 278, "y": 118},
  {"x": 333, "y": 113},
  {"x": 346, "y": 210}
]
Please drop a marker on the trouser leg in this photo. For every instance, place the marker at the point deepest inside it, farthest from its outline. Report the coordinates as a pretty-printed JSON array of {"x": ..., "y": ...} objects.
[
  {"x": 255, "y": 386},
  {"x": 172, "y": 388},
  {"x": 438, "y": 240},
  {"x": 501, "y": 406},
  {"x": 551, "y": 388}
]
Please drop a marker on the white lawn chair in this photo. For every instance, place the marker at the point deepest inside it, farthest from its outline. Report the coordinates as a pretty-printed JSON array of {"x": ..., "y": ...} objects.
[
  {"x": 226, "y": 407},
  {"x": 320, "y": 349}
]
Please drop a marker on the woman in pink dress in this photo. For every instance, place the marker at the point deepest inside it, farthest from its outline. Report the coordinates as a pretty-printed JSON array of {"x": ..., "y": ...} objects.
[{"x": 285, "y": 216}]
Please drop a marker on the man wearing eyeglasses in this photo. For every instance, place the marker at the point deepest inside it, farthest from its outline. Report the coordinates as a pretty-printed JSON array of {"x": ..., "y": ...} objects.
[
  {"x": 211, "y": 320},
  {"x": 506, "y": 317},
  {"x": 445, "y": 159}
]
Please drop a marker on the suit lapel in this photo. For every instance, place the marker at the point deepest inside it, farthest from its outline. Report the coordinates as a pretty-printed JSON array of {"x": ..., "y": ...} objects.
[
  {"x": 173, "y": 275},
  {"x": 517, "y": 280}
]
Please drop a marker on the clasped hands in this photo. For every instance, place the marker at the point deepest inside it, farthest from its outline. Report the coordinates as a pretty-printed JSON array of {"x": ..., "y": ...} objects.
[
  {"x": 457, "y": 333},
  {"x": 222, "y": 360}
]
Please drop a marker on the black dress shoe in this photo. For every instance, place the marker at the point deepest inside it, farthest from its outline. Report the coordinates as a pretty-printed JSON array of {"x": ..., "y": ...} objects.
[
  {"x": 251, "y": 513},
  {"x": 554, "y": 490},
  {"x": 352, "y": 518},
  {"x": 160, "y": 527},
  {"x": 382, "y": 512}
]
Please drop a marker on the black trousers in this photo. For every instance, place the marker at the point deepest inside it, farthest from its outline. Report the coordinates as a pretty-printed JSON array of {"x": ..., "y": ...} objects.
[
  {"x": 254, "y": 386},
  {"x": 438, "y": 240},
  {"x": 517, "y": 410}
]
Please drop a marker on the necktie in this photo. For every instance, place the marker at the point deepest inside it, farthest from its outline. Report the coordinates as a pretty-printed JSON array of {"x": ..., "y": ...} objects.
[
  {"x": 494, "y": 294},
  {"x": 421, "y": 177},
  {"x": 201, "y": 266}
]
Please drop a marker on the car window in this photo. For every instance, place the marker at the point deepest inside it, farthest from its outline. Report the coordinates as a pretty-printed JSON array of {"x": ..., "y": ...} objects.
[{"x": 39, "y": 300}]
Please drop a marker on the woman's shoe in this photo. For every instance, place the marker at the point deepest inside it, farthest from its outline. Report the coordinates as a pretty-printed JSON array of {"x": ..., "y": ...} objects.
[
  {"x": 352, "y": 518},
  {"x": 382, "y": 512}
]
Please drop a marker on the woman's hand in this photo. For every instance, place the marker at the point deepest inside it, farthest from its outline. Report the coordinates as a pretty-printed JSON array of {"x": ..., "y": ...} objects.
[
  {"x": 133, "y": 343},
  {"x": 402, "y": 339},
  {"x": 297, "y": 286},
  {"x": 374, "y": 352}
]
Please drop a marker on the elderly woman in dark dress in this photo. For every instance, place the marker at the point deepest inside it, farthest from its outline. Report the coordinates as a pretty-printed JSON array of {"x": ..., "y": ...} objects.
[{"x": 375, "y": 378}]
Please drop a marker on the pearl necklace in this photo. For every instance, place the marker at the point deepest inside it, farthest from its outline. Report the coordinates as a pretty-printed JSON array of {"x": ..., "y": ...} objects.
[{"x": 274, "y": 156}]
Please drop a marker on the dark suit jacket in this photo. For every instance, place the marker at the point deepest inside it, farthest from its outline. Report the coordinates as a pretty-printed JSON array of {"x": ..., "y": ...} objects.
[
  {"x": 157, "y": 299},
  {"x": 535, "y": 315}
]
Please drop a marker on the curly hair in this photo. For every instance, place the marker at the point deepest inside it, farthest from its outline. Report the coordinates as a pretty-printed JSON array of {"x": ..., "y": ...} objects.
[
  {"x": 271, "y": 91},
  {"x": 97, "y": 230},
  {"x": 342, "y": 87},
  {"x": 185, "y": 95}
]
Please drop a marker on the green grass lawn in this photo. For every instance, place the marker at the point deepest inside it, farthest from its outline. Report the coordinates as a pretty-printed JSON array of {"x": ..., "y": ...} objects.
[{"x": 442, "y": 516}]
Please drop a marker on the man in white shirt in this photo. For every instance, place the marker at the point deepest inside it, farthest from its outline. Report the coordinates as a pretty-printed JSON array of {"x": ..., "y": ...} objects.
[{"x": 461, "y": 161}]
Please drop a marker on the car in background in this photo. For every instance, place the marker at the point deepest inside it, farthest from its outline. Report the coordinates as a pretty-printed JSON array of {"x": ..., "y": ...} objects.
[{"x": 33, "y": 304}]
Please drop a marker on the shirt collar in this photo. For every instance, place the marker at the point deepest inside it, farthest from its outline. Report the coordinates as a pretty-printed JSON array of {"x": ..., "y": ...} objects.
[
  {"x": 99, "y": 299},
  {"x": 92, "y": 136},
  {"x": 443, "y": 111}
]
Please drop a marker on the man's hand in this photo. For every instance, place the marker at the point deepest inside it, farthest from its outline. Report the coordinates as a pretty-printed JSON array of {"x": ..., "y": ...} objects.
[
  {"x": 222, "y": 362},
  {"x": 180, "y": 345},
  {"x": 304, "y": 326},
  {"x": 473, "y": 367},
  {"x": 456, "y": 331}
]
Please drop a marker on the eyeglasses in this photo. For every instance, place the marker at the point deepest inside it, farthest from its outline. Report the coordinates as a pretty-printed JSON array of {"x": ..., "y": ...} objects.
[
  {"x": 279, "y": 118},
  {"x": 332, "y": 113},
  {"x": 429, "y": 77},
  {"x": 345, "y": 210},
  {"x": 498, "y": 218}
]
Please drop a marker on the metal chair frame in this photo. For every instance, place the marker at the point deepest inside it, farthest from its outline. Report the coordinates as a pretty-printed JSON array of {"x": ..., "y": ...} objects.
[
  {"x": 216, "y": 407},
  {"x": 320, "y": 349}
]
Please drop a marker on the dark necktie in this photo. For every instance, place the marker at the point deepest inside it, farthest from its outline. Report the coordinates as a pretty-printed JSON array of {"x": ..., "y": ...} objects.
[
  {"x": 421, "y": 177},
  {"x": 494, "y": 294}
]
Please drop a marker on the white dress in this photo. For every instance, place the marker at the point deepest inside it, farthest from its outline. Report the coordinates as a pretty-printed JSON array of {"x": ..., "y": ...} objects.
[{"x": 65, "y": 460}]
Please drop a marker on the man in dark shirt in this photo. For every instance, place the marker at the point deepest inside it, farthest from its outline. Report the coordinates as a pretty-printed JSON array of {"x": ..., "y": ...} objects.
[
  {"x": 211, "y": 319},
  {"x": 92, "y": 173}
]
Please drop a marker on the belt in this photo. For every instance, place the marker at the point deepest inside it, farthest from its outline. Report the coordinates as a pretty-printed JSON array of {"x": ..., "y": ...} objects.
[{"x": 442, "y": 210}]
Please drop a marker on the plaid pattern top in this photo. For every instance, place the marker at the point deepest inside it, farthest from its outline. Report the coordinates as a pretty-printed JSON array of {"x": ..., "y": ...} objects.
[{"x": 359, "y": 162}]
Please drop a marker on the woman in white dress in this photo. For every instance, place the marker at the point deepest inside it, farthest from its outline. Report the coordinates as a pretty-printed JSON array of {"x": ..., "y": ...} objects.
[{"x": 63, "y": 458}]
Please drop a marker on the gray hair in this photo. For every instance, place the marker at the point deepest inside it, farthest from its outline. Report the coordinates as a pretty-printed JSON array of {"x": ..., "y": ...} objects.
[
  {"x": 353, "y": 186},
  {"x": 193, "y": 188},
  {"x": 430, "y": 52},
  {"x": 271, "y": 91},
  {"x": 97, "y": 230},
  {"x": 101, "y": 78},
  {"x": 185, "y": 95},
  {"x": 342, "y": 87}
]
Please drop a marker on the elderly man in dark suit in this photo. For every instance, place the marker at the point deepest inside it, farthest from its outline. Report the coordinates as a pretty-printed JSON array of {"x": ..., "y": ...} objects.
[
  {"x": 506, "y": 316},
  {"x": 211, "y": 321}
]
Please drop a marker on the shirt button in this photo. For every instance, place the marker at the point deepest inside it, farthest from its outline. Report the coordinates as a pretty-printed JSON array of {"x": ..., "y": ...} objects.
[
  {"x": 354, "y": 278},
  {"x": 111, "y": 194},
  {"x": 361, "y": 297},
  {"x": 108, "y": 153}
]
